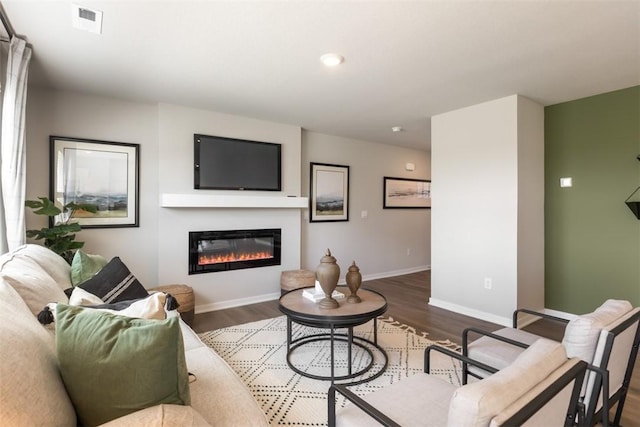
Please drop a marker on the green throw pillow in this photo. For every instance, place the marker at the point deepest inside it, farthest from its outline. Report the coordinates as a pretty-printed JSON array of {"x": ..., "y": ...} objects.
[
  {"x": 84, "y": 266},
  {"x": 113, "y": 365}
]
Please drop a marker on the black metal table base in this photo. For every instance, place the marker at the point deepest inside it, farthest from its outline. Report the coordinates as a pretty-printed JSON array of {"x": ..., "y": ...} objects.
[{"x": 351, "y": 341}]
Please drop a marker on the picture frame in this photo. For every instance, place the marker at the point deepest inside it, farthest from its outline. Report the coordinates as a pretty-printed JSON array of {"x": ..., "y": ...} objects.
[
  {"x": 406, "y": 193},
  {"x": 329, "y": 193},
  {"x": 97, "y": 172}
]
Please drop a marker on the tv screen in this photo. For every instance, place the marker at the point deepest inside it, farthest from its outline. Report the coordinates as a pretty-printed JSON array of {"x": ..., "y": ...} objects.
[{"x": 236, "y": 164}]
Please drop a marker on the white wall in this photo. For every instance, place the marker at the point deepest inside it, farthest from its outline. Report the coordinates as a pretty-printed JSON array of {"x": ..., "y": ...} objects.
[
  {"x": 530, "y": 204},
  {"x": 480, "y": 205},
  {"x": 378, "y": 243},
  {"x": 222, "y": 289},
  {"x": 75, "y": 115},
  {"x": 156, "y": 252}
]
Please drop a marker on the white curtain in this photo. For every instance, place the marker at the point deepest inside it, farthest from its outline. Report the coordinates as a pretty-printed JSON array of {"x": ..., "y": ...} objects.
[{"x": 12, "y": 155}]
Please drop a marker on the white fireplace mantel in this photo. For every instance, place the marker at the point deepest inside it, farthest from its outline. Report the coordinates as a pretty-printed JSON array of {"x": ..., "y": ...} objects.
[{"x": 168, "y": 200}]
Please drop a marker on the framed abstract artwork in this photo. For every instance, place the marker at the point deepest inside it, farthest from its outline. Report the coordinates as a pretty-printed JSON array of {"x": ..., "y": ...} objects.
[
  {"x": 404, "y": 193},
  {"x": 101, "y": 173},
  {"x": 329, "y": 193}
]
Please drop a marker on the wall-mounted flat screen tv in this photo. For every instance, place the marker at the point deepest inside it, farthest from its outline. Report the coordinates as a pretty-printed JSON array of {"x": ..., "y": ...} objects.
[{"x": 236, "y": 164}]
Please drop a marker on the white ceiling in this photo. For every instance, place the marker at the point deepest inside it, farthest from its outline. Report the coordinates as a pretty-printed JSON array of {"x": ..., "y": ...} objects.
[{"x": 405, "y": 61}]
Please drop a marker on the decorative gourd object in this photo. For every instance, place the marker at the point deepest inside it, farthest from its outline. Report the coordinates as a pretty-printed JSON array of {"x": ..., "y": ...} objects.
[
  {"x": 327, "y": 274},
  {"x": 354, "y": 280}
]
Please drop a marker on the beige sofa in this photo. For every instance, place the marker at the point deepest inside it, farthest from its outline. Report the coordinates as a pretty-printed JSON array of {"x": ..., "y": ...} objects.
[{"x": 31, "y": 389}]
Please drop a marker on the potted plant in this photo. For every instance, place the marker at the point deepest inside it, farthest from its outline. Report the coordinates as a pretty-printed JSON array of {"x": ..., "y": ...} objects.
[{"x": 60, "y": 237}]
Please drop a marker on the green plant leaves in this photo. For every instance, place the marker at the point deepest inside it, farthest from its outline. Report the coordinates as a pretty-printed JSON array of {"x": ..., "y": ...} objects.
[
  {"x": 61, "y": 237},
  {"x": 44, "y": 207}
]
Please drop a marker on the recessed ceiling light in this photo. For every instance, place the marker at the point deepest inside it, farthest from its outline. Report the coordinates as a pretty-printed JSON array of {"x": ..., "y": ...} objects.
[
  {"x": 331, "y": 59},
  {"x": 396, "y": 129}
]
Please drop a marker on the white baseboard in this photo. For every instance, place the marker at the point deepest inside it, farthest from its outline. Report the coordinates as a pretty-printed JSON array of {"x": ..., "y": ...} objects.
[
  {"x": 204, "y": 308},
  {"x": 524, "y": 319},
  {"x": 393, "y": 273},
  {"x": 560, "y": 314},
  {"x": 478, "y": 314}
]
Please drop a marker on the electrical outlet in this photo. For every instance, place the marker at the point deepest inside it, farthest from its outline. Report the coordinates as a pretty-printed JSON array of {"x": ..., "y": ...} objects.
[{"x": 488, "y": 283}]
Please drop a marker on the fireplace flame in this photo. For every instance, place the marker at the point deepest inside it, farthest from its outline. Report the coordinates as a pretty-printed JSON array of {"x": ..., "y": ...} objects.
[{"x": 232, "y": 257}]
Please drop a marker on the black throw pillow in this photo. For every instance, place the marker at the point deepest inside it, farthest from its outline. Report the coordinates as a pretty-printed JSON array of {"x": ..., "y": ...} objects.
[{"x": 114, "y": 282}]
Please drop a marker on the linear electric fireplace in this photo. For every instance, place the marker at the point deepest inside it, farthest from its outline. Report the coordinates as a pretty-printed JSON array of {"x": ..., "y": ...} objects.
[{"x": 211, "y": 251}]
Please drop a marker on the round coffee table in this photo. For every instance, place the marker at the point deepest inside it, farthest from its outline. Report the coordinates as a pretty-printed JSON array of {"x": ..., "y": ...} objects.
[{"x": 303, "y": 311}]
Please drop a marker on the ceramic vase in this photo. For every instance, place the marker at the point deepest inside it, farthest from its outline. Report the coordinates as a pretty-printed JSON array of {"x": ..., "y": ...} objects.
[
  {"x": 327, "y": 274},
  {"x": 354, "y": 280}
]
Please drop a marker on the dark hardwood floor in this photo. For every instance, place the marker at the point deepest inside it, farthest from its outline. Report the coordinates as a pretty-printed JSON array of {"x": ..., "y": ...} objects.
[{"x": 407, "y": 298}]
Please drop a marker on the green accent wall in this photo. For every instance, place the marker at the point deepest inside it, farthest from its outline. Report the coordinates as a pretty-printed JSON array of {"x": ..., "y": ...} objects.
[{"x": 592, "y": 239}]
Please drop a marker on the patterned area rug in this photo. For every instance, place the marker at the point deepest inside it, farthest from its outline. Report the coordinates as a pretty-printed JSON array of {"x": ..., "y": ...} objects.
[{"x": 257, "y": 352}]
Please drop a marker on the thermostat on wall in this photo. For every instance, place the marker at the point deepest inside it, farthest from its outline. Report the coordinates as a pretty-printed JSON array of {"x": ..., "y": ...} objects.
[{"x": 566, "y": 182}]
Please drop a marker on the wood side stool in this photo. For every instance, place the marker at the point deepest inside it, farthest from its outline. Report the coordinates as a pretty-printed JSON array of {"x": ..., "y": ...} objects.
[
  {"x": 184, "y": 295},
  {"x": 296, "y": 279}
]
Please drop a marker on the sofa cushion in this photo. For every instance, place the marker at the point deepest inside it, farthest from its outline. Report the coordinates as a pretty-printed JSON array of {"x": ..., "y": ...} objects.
[
  {"x": 114, "y": 282},
  {"x": 161, "y": 416},
  {"x": 34, "y": 284},
  {"x": 49, "y": 261},
  {"x": 581, "y": 334},
  {"x": 151, "y": 307},
  {"x": 31, "y": 390},
  {"x": 84, "y": 266},
  {"x": 477, "y": 403},
  {"x": 81, "y": 297},
  {"x": 137, "y": 363},
  {"x": 215, "y": 378}
]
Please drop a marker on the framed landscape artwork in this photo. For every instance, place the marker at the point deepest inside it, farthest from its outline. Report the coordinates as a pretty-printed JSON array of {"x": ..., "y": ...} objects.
[
  {"x": 329, "y": 193},
  {"x": 101, "y": 173},
  {"x": 402, "y": 193}
]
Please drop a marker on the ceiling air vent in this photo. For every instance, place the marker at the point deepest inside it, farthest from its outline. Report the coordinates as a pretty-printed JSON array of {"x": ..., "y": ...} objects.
[{"x": 86, "y": 19}]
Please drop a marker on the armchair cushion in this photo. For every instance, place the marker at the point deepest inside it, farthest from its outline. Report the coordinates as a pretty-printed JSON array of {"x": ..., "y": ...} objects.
[
  {"x": 581, "y": 335},
  {"x": 477, "y": 403},
  {"x": 406, "y": 402},
  {"x": 497, "y": 353},
  {"x": 618, "y": 356},
  {"x": 555, "y": 409}
]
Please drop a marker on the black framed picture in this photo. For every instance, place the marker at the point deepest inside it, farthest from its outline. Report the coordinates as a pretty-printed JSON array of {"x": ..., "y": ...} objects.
[
  {"x": 101, "y": 173},
  {"x": 406, "y": 193},
  {"x": 329, "y": 193}
]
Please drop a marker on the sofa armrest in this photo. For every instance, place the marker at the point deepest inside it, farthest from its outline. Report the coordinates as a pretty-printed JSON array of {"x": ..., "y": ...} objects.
[{"x": 359, "y": 402}]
